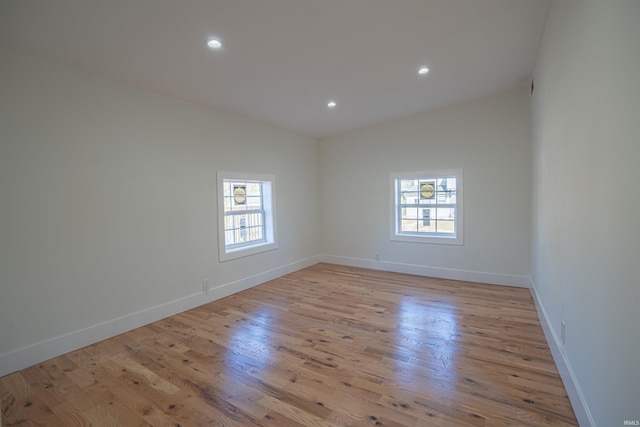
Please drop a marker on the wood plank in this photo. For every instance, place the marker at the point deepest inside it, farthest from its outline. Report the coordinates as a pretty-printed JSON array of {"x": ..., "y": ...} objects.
[{"x": 327, "y": 345}]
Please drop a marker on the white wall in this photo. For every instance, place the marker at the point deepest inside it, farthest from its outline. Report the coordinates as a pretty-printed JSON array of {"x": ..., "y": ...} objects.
[
  {"x": 108, "y": 204},
  {"x": 488, "y": 138},
  {"x": 586, "y": 228}
]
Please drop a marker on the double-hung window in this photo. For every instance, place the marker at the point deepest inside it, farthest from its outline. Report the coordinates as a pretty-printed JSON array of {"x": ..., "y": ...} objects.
[
  {"x": 246, "y": 214},
  {"x": 427, "y": 207}
]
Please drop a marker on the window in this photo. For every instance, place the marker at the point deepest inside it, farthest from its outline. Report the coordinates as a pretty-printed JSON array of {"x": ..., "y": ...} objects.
[
  {"x": 427, "y": 207},
  {"x": 246, "y": 214}
]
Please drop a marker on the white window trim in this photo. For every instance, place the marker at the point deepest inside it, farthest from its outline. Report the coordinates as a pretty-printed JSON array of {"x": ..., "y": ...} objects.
[
  {"x": 458, "y": 239},
  {"x": 269, "y": 195}
]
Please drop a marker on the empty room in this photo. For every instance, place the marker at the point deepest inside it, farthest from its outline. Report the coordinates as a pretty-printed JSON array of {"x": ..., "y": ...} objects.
[{"x": 319, "y": 213}]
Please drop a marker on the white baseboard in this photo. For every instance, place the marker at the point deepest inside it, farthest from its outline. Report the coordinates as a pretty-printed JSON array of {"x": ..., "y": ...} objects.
[
  {"x": 564, "y": 367},
  {"x": 438, "y": 272},
  {"x": 36, "y": 353}
]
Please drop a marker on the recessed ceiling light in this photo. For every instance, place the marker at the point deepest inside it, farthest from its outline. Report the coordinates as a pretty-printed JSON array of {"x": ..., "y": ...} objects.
[
  {"x": 423, "y": 70},
  {"x": 331, "y": 104},
  {"x": 214, "y": 43}
]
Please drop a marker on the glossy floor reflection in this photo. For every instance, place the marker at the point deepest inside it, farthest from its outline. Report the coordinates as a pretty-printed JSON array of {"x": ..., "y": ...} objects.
[
  {"x": 251, "y": 338},
  {"x": 427, "y": 333}
]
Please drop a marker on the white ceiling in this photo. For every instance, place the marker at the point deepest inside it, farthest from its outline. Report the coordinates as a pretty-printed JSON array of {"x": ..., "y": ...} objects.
[{"x": 283, "y": 60}]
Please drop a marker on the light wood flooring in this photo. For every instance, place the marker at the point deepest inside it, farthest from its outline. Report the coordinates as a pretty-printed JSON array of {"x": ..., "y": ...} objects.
[{"x": 325, "y": 346}]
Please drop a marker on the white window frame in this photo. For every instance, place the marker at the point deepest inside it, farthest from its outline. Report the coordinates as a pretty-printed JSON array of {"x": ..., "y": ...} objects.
[
  {"x": 455, "y": 238},
  {"x": 270, "y": 241}
]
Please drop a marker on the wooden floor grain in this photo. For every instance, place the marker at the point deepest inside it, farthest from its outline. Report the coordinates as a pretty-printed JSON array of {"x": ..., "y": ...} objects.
[{"x": 325, "y": 346}]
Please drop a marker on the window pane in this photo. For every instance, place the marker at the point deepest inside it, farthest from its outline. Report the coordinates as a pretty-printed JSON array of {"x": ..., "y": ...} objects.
[
  {"x": 426, "y": 223},
  {"x": 430, "y": 201},
  {"x": 427, "y": 189},
  {"x": 244, "y": 228},
  {"x": 408, "y": 185},
  {"x": 445, "y": 184},
  {"x": 254, "y": 202},
  {"x": 409, "y": 226},
  {"x": 446, "y": 213},
  {"x": 237, "y": 236},
  {"x": 429, "y": 228},
  {"x": 445, "y": 226},
  {"x": 447, "y": 197},
  {"x": 254, "y": 189},
  {"x": 410, "y": 213},
  {"x": 228, "y": 237},
  {"x": 409, "y": 198},
  {"x": 255, "y": 219},
  {"x": 255, "y": 233}
]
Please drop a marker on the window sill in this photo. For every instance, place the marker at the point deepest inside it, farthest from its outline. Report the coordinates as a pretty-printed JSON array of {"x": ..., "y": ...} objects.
[
  {"x": 443, "y": 240},
  {"x": 231, "y": 254}
]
